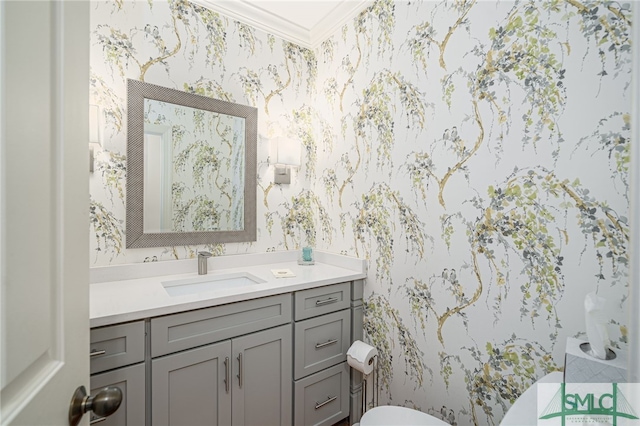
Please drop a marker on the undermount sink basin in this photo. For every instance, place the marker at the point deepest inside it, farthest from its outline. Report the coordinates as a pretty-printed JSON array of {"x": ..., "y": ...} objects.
[{"x": 207, "y": 283}]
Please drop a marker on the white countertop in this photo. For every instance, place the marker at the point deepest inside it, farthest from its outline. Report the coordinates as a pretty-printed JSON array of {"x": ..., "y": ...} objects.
[{"x": 131, "y": 292}]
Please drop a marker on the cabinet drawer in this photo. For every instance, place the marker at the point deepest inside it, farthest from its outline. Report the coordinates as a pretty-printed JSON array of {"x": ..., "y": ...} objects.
[
  {"x": 322, "y": 300},
  {"x": 116, "y": 346},
  {"x": 323, "y": 398},
  {"x": 187, "y": 330},
  {"x": 131, "y": 382},
  {"x": 321, "y": 342}
]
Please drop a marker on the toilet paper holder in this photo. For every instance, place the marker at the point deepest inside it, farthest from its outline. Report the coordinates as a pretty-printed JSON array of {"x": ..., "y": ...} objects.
[
  {"x": 363, "y": 358},
  {"x": 374, "y": 382}
]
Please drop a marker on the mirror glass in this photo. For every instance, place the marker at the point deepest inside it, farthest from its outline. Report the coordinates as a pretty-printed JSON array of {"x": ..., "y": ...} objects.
[{"x": 191, "y": 168}]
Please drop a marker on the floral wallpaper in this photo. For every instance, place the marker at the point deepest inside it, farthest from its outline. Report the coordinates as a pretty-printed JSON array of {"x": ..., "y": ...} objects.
[{"x": 476, "y": 153}]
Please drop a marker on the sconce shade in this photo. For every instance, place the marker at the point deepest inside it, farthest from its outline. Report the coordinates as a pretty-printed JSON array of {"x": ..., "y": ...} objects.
[
  {"x": 94, "y": 133},
  {"x": 94, "y": 124},
  {"x": 287, "y": 151},
  {"x": 286, "y": 156}
]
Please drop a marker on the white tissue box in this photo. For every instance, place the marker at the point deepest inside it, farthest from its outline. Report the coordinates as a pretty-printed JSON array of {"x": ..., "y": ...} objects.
[{"x": 582, "y": 368}]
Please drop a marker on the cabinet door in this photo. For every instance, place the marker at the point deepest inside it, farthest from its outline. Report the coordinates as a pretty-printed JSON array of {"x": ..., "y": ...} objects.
[
  {"x": 262, "y": 378},
  {"x": 190, "y": 388},
  {"x": 130, "y": 380}
]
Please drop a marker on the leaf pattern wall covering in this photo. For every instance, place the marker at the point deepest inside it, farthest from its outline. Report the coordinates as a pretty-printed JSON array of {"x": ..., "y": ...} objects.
[{"x": 476, "y": 153}]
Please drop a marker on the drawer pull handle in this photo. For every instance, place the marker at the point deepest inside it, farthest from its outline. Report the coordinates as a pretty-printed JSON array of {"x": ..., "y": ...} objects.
[
  {"x": 227, "y": 372},
  {"x": 97, "y": 352},
  {"x": 326, "y": 301},
  {"x": 327, "y": 343},
  {"x": 97, "y": 420},
  {"x": 322, "y": 404}
]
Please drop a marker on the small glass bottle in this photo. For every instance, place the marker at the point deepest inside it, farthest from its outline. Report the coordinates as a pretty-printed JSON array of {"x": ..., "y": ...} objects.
[{"x": 306, "y": 256}]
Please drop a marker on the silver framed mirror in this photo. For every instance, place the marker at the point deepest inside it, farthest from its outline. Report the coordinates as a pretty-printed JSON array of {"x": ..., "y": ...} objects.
[{"x": 191, "y": 168}]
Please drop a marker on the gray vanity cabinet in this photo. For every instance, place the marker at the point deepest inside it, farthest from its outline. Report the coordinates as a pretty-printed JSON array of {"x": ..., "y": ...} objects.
[
  {"x": 322, "y": 339},
  {"x": 277, "y": 360},
  {"x": 117, "y": 359},
  {"x": 198, "y": 378},
  {"x": 242, "y": 381}
]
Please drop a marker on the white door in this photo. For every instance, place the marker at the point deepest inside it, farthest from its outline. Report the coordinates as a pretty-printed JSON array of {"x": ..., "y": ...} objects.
[{"x": 44, "y": 196}]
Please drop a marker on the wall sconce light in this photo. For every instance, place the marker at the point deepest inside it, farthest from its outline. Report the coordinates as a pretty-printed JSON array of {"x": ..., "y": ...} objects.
[
  {"x": 94, "y": 133},
  {"x": 287, "y": 155}
]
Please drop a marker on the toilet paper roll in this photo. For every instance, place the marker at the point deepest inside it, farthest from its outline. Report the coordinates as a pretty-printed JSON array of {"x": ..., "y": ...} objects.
[{"x": 360, "y": 357}]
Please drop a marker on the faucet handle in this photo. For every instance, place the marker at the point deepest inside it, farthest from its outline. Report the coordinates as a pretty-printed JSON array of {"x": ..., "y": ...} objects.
[{"x": 204, "y": 254}]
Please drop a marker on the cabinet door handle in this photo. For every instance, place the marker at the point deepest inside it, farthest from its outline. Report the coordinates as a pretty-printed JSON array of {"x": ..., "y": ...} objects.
[
  {"x": 227, "y": 372},
  {"x": 97, "y": 352},
  {"x": 240, "y": 370},
  {"x": 322, "y": 404},
  {"x": 326, "y": 301},
  {"x": 327, "y": 343},
  {"x": 97, "y": 420}
]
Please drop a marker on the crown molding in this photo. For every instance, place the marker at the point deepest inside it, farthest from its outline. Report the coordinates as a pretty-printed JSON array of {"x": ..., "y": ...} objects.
[
  {"x": 335, "y": 19},
  {"x": 252, "y": 14}
]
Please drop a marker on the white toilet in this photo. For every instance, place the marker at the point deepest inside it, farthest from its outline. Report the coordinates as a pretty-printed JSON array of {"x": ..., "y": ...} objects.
[
  {"x": 523, "y": 411},
  {"x": 388, "y": 415}
]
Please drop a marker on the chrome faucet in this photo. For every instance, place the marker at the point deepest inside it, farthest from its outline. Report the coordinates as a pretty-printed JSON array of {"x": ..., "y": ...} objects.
[{"x": 202, "y": 262}]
